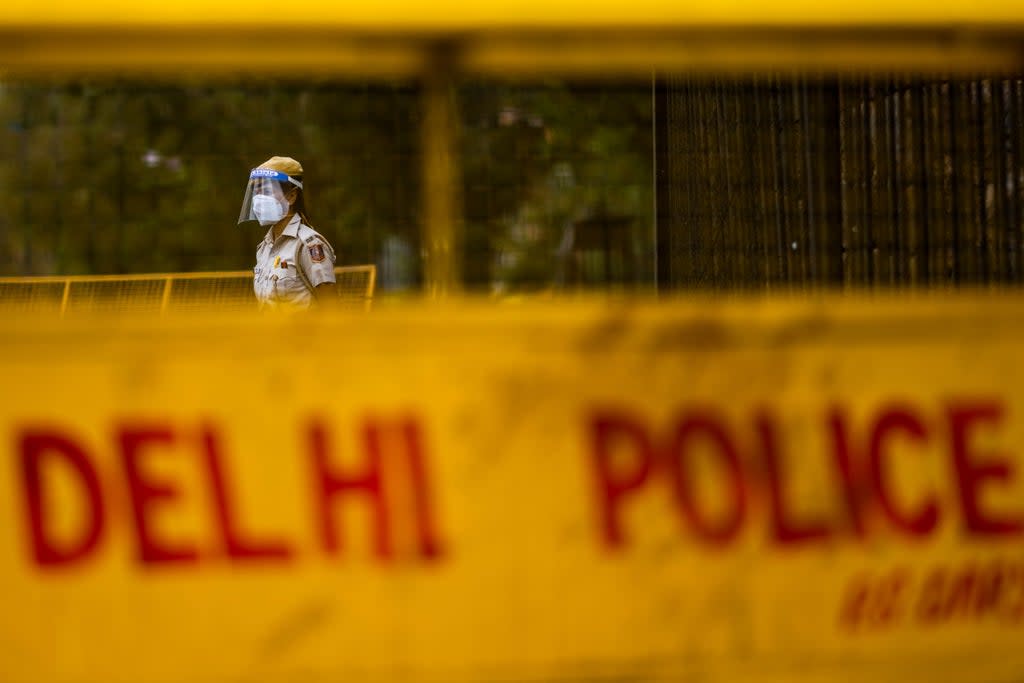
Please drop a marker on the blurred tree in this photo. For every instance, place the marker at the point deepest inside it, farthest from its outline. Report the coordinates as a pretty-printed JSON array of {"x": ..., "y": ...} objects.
[{"x": 538, "y": 160}]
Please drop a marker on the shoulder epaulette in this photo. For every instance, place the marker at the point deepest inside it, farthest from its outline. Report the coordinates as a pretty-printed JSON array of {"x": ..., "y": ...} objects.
[{"x": 315, "y": 237}]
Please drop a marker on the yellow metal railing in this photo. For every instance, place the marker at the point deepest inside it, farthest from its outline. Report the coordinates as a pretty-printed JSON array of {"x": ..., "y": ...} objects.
[{"x": 162, "y": 292}]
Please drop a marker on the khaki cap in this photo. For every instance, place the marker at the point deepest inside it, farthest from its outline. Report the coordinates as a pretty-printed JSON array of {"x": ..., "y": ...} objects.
[{"x": 283, "y": 164}]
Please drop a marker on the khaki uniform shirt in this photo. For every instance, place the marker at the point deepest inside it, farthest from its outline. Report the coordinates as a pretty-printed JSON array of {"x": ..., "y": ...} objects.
[{"x": 277, "y": 280}]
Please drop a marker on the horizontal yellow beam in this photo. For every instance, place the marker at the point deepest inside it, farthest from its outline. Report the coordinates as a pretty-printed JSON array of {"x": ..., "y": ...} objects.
[
  {"x": 210, "y": 52},
  {"x": 456, "y": 15},
  {"x": 584, "y": 38},
  {"x": 175, "y": 51},
  {"x": 743, "y": 51}
]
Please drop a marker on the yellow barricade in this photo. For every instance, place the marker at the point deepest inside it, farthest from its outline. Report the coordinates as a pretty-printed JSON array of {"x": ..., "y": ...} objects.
[
  {"x": 774, "y": 491},
  {"x": 161, "y": 292}
]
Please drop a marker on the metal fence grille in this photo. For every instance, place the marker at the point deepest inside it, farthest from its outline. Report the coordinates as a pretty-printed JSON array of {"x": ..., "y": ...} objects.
[
  {"x": 126, "y": 176},
  {"x": 801, "y": 182}
]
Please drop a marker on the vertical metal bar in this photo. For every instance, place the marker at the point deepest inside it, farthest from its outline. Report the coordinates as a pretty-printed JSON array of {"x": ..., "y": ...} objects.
[
  {"x": 842, "y": 218},
  {"x": 980, "y": 89},
  {"x": 897, "y": 211},
  {"x": 441, "y": 182},
  {"x": 708, "y": 219},
  {"x": 956, "y": 181},
  {"x": 829, "y": 181},
  {"x": 873, "y": 194},
  {"x": 865, "y": 275},
  {"x": 800, "y": 235},
  {"x": 974, "y": 197},
  {"x": 27, "y": 191},
  {"x": 57, "y": 100},
  {"x": 399, "y": 187},
  {"x": 808, "y": 239},
  {"x": 663, "y": 228},
  {"x": 1000, "y": 224},
  {"x": 785, "y": 93},
  {"x": 743, "y": 184},
  {"x": 703, "y": 227},
  {"x": 7, "y": 211},
  {"x": 1015, "y": 168},
  {"x": 759, "y": 137},
  {"x": 949, "y": 204},
  {"x": 166, "y": 297},
  {"x": 885, "y": 233},
  {"x": 371, "y": 284},
  {"x": 921, "y": 178},
  {"x": 853, "y": 171},
  {"x": 751, "y": 183},
  {"x": 90, "y": 151},
  {"x": 898, "y": 224},
  {"x": 64, "y": 297},
  {"x": 778, "y": 178},
  {"x": 798, "y": 201},
  {"x": 805, "y": 209},
  {"x": 121, "y": 193},
  {"x": 697, "y": 183},
  {"x": 930, "y": 150},
  {"x": 728, "y": 230}
]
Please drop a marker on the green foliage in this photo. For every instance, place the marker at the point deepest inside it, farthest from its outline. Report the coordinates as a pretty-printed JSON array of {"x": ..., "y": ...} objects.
[{"x": 539, "y": 161}]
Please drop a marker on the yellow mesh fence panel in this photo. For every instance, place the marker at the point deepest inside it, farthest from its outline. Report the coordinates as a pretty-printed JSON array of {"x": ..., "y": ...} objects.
[
  {"x": 27, "y": 295},
  {"x": 129, "y": 296},
  {"x": 355, "y": 285},
  {"x": 212, "y": 289},
  {"x": 163, "y": 292}
]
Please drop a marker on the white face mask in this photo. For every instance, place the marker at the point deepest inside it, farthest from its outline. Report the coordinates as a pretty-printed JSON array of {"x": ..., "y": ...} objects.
[{"x": 267, "y": 209}]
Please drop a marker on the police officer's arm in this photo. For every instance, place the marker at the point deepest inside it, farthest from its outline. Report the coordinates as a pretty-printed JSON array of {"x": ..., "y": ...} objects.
[{"x": 317, "y": 261}]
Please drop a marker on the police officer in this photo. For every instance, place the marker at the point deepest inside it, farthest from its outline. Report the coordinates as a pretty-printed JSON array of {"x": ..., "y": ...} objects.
[{"x": 294, "y": 263}]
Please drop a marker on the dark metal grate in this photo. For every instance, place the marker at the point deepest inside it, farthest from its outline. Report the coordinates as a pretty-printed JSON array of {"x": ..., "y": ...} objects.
[{"x": 800, "y": 182}]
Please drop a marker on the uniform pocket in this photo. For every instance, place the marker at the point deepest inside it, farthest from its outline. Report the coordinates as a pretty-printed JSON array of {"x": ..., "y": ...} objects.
[{"x": 290, "y": 288}]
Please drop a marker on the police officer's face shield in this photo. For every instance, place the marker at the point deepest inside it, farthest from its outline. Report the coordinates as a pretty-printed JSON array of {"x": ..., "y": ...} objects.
[{"x": 266, "y": 196}]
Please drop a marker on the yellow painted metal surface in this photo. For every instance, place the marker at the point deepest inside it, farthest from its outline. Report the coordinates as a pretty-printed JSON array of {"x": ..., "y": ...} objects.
[
  {"x": 401, "y": 39},
  {"x": 405, "y": 15},
  {"x": 226, "y": 52},
  {"x": 442, "y": 196},
  {"x": 766, "y": 491}
]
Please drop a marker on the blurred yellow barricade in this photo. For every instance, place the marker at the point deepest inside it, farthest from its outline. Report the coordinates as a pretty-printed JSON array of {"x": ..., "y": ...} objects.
[
  {"x": 162, "y": 292},
  {"x": 825, "y": 490}
]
